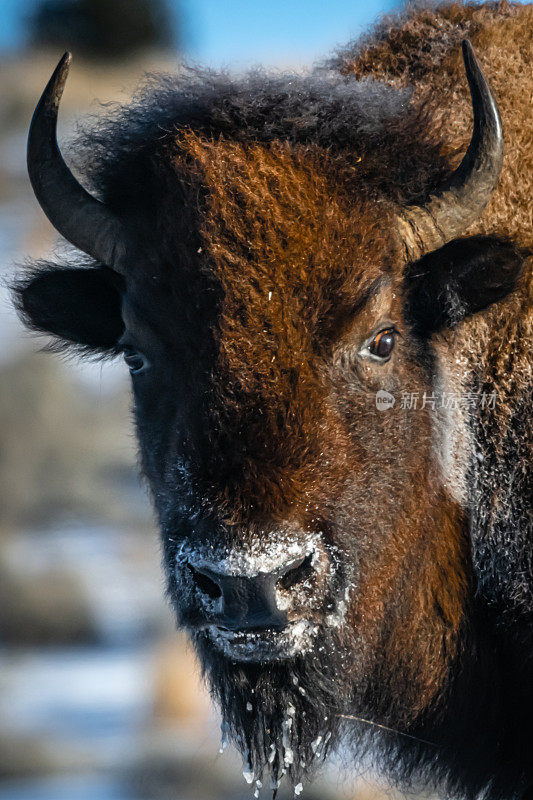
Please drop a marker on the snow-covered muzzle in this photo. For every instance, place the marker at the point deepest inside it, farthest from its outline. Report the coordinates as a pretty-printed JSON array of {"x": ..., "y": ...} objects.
[{"x": 262, "y": 600}]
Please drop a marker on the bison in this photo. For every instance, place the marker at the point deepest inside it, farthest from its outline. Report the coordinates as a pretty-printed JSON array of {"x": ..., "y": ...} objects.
[{"x": 323, "y": 294}]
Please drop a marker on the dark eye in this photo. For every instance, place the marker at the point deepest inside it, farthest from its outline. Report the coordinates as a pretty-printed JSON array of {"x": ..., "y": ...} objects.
[
  {"x": 382, "y": 344},
  {"x": 135, "y": 361}
]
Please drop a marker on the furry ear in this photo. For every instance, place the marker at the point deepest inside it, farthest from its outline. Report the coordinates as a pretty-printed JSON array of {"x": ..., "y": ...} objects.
[
  {"x": 79, "y": 306},
  {"x": 466, "y": 275}
]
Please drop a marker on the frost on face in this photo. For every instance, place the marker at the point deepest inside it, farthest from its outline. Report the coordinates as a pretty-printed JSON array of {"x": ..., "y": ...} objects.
[
  {"x": 223, "y": 737},
  {"x": 315, "y": 745},
  {"x": 309, "y": 603},
  {"x": 264, "y": 646},
  {"x": 256, "y": 557},
  {"x": 248, "y": 772},
  {"x": 248, "y": 775},
  {"x": 288, "y": 754}
]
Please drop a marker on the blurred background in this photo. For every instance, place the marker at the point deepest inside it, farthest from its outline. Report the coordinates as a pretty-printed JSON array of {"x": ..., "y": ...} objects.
[{"x": 99, "y": 698}]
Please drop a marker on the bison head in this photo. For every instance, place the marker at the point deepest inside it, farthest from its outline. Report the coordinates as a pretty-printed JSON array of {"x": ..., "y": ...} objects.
[{"x": 291, "y": 336}]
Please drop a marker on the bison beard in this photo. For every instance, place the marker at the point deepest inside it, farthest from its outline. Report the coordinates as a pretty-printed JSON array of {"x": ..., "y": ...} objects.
[{"x": 283, "y": 717}]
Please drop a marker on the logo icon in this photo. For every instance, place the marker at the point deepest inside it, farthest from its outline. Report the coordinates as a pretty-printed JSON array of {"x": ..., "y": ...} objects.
[{"x": 384, "y": 400}]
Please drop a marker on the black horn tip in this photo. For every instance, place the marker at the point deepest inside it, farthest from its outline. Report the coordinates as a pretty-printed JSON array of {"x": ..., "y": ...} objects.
[
  {"x": 468, "y": 52},
  {"x": 484, "y": 105},
  {"x": 472, "y": 68},
  {"x": 54, "y": 90},
  {"x": 64, "y": 62},
  {"x": 60, "y": 73}
]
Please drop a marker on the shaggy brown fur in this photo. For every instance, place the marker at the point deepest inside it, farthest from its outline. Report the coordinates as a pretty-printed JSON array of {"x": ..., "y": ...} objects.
[
  {"x": 295, "y": 256},
  {"x": 317, "y": 254},
  {"x": 268, "y": 253}
]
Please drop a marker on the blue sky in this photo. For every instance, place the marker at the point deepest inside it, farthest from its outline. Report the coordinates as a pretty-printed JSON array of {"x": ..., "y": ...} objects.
[
  {"x": 239, "y": 32},
  {"x": 224, "y": 31}
]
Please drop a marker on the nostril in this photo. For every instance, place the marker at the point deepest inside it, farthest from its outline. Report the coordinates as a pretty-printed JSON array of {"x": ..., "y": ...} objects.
[
  {"x": 205, "y": 584},
  {"x": 297, "y": 574}
]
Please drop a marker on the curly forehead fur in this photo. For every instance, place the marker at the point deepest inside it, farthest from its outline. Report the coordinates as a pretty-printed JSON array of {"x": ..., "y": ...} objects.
[
  {"x": 291, "y": 255},
  {"x": 388, "y": 146}
]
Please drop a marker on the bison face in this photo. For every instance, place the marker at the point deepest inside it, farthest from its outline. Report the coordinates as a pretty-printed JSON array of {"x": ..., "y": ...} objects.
[
  {"x": 312, "y": 546},
  {"x": 279, "y": 479}
]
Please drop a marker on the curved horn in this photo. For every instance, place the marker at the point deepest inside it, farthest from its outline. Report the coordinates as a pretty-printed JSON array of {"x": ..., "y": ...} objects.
[
  {"x": 460, "y": 200},
  {"x": 79, "y": 217}
]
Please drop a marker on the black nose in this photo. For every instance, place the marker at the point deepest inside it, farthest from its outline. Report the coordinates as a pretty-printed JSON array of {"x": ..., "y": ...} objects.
[{"x": 242, "y": 603}]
